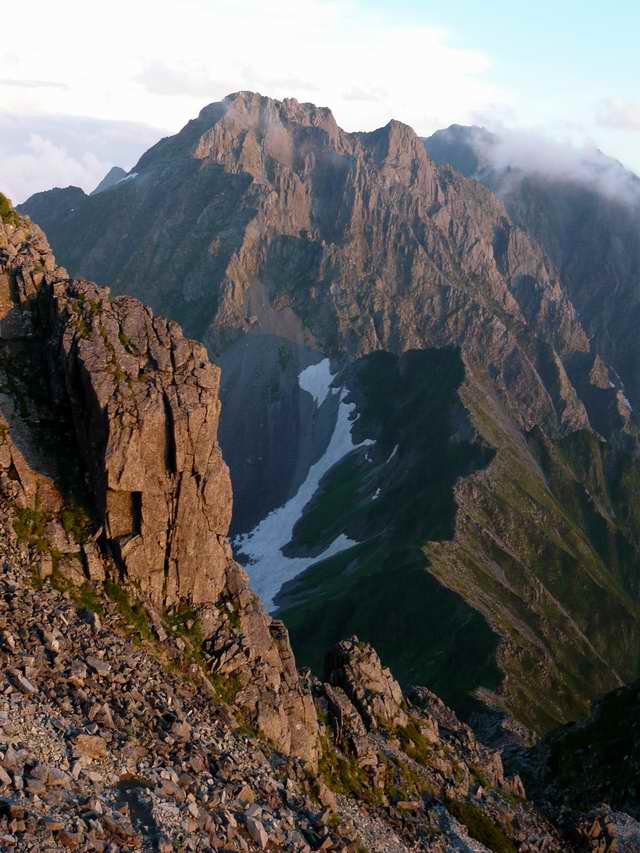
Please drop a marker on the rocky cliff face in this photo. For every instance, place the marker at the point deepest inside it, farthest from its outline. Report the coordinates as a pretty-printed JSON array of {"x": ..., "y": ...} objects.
[
  {"x": 260, "y": 205},
  {"x": 141, "y": 406},
  {"x": 506, "y": 519},
  {"x": 587, "y": 223},
  {"x": 145, "y": 407}
]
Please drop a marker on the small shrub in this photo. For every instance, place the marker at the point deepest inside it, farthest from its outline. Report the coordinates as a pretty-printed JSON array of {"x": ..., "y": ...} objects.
[
  {"x": 402, "y": 782},
  {"x": 75, "y": 520},
  {"x": 134, "y": 614},
  {"x": 231, "y": 612},
  {"x": 479, "y": 776},
  {"x": 227, "y": 686},
  {"x": 414, "y": 743},
  {"x": 185, "y": 623},
  {"x": 29, "y": 525},
  {"x": 87, "y": 598},
  {"x": 480, "y": 827},
  {"x": 82, "y": 328},
  {"x": 7, "y": 213},
  {"x": 343, "y": 775},
  {"x": 126, "y": 343}
]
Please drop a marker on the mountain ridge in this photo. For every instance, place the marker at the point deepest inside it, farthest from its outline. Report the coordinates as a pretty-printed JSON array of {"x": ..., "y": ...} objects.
[
  {"x": 278, "y": 240},
  {"x": 126, "y": 707}
]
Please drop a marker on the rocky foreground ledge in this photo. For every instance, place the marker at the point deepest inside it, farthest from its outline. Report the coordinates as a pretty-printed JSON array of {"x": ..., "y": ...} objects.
[
  {"x": 112, "y": 740},
  {"x": 147, "y": 702}
]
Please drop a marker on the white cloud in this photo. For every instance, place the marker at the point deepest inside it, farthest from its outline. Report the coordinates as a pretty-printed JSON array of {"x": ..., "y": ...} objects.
[
  {"x": 39, "y": 151},
  {"x": 32, "y": 84},
  {"x": 197, "y": 51},
  {"x": 357, "y": 93},
  {"x": 533, "y": 151},
  {"x": 619, "y": 114},
  {"x": 42, "y": 163},
  {"x": 158, "y": 78}
]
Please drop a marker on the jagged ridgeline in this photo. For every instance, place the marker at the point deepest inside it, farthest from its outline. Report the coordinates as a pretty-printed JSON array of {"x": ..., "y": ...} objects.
[{"x": 428, "y": 444}]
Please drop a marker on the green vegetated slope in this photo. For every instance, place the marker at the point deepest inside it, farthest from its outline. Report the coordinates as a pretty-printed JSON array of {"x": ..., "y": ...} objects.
[
  {"x": 380, "y": 589},
  {"x": 537, "y": 552},
  {"x": 479, "y": 532}
]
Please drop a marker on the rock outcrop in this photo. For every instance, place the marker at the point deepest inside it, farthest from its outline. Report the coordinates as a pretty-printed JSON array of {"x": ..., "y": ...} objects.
[
  {"x": 356, "y": 668},
  {"x": 142, "y": 406},
  {"x": 414, "y": 751},
  {"x": 145, "y": 406}
]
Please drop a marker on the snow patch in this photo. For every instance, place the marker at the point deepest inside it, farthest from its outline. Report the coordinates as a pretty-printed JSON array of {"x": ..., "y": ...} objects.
[
  {"x": 268, "y": 568},
  {"x": 376, "y": 495},
  {"x": 392, "y": 454},
  {"x": 316, "y": 380}
]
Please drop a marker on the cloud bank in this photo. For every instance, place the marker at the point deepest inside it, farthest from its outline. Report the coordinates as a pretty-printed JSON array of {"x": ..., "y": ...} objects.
[
  {"x": 39, "y": 152},
  {"x": 619, "y": 114},
  {"x": 160, "y": 63},
  {"x": 534, "y": 152},
  {"x": 158, "y": 78}
]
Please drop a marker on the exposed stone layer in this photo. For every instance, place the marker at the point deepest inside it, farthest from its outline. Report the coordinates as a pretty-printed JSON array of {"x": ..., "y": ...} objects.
[{"x": 356, "y": 668}]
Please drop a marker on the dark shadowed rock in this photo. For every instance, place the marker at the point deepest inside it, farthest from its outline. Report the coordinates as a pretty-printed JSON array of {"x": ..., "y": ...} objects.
[{"x": 112, "y": 177}]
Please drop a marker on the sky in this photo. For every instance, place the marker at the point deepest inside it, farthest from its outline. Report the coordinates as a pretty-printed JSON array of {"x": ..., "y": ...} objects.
[{"x": 85, "y": 86}]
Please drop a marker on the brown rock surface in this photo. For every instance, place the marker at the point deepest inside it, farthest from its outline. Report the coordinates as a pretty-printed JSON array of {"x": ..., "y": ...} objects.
[
  {"x": 356, "y": 668},
  {"x": 143, "y": 409},
  {"x": 146, "y": 409}
]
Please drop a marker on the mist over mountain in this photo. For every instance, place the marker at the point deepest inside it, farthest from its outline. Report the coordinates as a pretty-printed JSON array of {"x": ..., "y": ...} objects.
[{"x": 583, "y": 209}]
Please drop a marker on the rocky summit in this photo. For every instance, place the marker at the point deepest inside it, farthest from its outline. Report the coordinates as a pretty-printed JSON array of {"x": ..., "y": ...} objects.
[{"x": 141, "y": 407}]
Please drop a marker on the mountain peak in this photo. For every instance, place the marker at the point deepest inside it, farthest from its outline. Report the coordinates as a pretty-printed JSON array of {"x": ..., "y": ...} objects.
[
  {"x": 115, "y": 174},
  {"x": 251, "y": 110}
]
